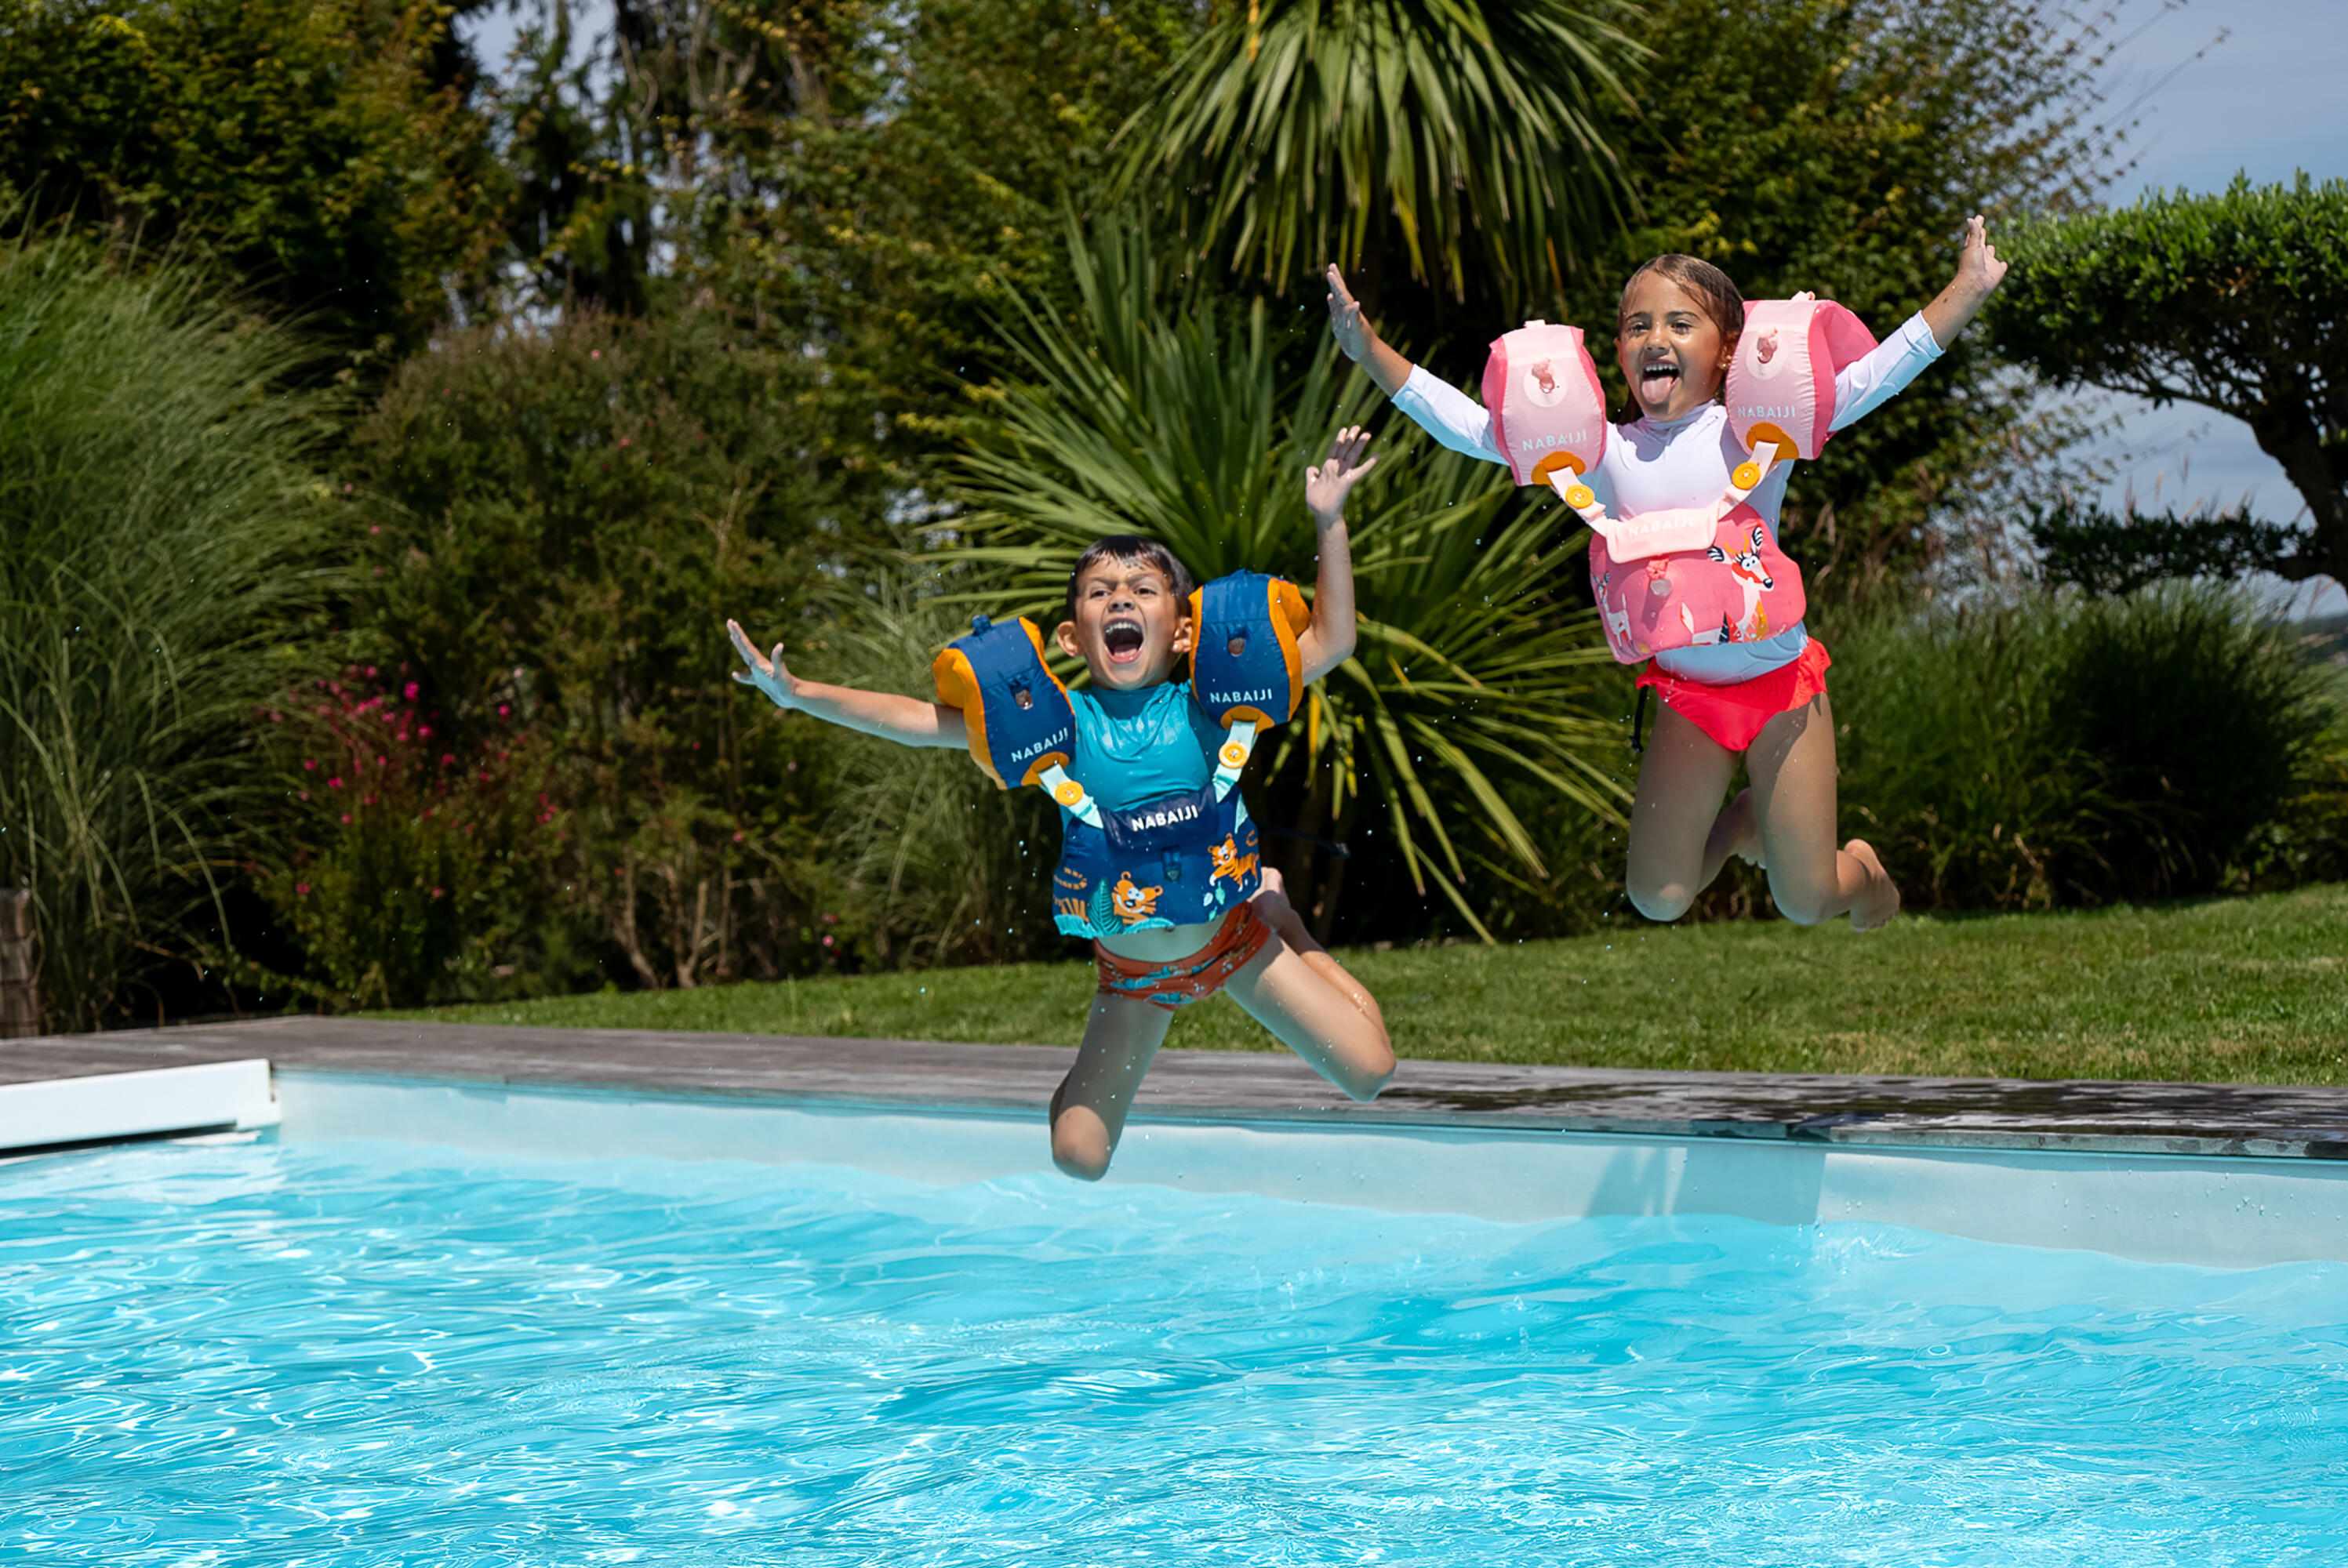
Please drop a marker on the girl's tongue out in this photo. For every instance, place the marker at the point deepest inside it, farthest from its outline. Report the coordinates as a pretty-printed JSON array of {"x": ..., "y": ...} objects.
[{"x": 1658, "y": 379}]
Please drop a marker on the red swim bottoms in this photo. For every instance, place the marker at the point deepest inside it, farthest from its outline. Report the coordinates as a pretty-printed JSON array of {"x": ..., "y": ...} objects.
[
  {"x": 1239, "y": 938},
  {"x": 1734, "y": 715}
]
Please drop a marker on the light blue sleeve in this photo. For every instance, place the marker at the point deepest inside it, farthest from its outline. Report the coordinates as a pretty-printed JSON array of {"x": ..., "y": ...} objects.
[
  {"x": 1868, "y": 384},
  {"x": 1449, "y": 414}
]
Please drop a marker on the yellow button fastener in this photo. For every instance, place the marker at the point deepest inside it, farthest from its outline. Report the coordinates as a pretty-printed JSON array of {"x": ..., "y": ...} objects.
[
  {"x": 1580, "y": 495},
  {"x": 1068, "y": 793},
  {"x": 1746, "y": 476},
  {"x": 1233, "y": 755}
]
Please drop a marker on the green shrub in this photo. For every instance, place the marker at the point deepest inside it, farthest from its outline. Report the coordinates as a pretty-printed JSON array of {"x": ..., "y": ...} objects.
[
  {"x": 2063, "y": 749},
  {"x": 413, "y": 854},
  {"x": 553, "y": 527},
  {"x": 157, "y": 528}
]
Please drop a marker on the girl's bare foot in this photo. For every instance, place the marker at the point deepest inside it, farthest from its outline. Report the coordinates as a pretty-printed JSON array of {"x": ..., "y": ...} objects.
[{"x": 1878, "y": 901}]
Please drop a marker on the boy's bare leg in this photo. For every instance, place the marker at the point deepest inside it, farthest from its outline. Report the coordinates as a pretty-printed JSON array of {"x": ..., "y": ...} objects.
[
  {"x": 1677, "y": 839},
  {"x": 1793, "y": 767},
  {"x": 1271, "y": 904},
  {"x": 1090, "y": 1108},
  {"x": 1316, "y": 1019}
]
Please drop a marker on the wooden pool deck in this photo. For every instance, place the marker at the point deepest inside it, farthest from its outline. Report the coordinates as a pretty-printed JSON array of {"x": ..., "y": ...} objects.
[{"x": 2086, "y": 1116}]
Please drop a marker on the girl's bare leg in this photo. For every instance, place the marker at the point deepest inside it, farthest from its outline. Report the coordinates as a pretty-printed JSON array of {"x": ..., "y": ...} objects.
[
  {"x": 1088, "y": 1110},
  {"x": 1273, "y": 906},
  {"x": 1316, "y": 1015},
  {"x": 1674, "y": 816},
  {"x": 1793, "y": 767}
]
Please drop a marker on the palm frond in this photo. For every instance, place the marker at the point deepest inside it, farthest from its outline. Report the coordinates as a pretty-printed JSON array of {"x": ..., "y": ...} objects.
[{"x": 1292, "y": 127}]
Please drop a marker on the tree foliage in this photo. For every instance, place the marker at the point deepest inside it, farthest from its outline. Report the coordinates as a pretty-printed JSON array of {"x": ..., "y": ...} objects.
[
  {"x": 1466, "y": 134},
  {"x": 554, "y": 528},
  {"x": 2109, "y": 553},
  {"x": 328, "y": 155},
  {"x": 2237, "y": 300}
]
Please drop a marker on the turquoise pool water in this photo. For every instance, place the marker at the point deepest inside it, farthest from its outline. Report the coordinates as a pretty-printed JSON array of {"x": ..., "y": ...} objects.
[{"x": 370, "y": 1354}]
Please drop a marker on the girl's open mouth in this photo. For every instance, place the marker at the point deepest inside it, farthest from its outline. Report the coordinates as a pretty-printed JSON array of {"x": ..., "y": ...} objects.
[
  {"x": 1658, "y": 379},
  {"x": 1123, "y": 640}
]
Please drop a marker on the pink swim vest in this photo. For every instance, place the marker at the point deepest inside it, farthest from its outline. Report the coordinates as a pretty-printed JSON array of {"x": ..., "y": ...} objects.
[{"x": 1693, "y": 576}]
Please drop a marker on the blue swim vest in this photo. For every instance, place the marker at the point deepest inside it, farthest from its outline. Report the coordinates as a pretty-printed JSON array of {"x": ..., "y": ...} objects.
[{"x": 1178, "y": 860}]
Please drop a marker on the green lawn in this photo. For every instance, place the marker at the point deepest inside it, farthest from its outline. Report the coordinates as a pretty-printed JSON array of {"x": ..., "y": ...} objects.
[{"x": 2250, "y": 990}]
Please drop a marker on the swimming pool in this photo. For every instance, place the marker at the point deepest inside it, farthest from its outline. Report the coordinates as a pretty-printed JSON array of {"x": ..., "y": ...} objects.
[{"x": 357, "y": 1353}]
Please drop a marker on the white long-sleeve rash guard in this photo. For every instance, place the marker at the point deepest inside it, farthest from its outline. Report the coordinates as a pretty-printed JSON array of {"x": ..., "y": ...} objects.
[{"x": 1650, "y": 465}]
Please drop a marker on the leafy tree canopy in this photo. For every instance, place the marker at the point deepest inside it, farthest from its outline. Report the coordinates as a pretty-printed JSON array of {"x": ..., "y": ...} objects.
[
  {"x": 2238, "y": 301},
  {"x": 326, "y": 153}
]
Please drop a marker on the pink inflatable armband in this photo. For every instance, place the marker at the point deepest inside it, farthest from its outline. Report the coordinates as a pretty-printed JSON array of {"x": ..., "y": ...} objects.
[
  {"x": 1781, "y": 382},
  {"x": 1548, "y": 412}
]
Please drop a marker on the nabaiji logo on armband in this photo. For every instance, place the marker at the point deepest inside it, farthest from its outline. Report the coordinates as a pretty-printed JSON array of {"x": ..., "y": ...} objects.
[
  {"x": 1262, "y": 694},
  {"x": 1544, "y": 442},
  {"x": 1768, "y": 410},
  {"x": 1039, "y": 748}
]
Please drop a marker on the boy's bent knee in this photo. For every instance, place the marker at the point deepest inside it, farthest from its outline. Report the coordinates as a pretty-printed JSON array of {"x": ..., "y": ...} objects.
[
  {"x": 1369, "y": 1081},
  {"x": 1082, "y": 1165}
]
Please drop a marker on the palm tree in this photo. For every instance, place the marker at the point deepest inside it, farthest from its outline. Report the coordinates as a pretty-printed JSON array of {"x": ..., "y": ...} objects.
[
  {"x": 1295, "y": 132},
  {"x": 1169, "y": 416}
]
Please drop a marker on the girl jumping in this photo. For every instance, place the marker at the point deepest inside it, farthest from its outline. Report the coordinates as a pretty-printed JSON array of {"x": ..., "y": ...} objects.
[{"x": 1762, "y": 695}]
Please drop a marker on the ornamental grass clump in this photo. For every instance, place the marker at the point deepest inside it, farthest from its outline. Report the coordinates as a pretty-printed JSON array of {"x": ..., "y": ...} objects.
[
  {"x": 2061, "y": 750},
  {"x": 158, "y": 531}
]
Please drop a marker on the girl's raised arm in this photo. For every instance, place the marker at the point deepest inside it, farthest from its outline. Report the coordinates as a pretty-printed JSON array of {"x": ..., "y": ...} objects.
[{"x": 1979, "y": 273}]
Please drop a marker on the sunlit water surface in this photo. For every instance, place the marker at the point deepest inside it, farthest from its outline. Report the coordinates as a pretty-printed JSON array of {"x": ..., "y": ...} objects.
[{"x": 370, "y": 1354}]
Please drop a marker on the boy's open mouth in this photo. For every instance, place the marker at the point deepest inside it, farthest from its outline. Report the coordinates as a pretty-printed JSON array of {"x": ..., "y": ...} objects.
[
  {"x": 1123, "y": 638},
  {"x": 1658, "y": 379}
]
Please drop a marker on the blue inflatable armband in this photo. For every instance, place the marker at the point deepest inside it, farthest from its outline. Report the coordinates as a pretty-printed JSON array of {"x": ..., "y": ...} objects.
[
  {"x": 1021, "y": 727},
  {"x": 1246, "y": 669}
]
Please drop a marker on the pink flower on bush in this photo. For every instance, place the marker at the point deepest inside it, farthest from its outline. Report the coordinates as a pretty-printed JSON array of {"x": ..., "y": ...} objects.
[
  {"x": 446, "y": 758},
  {"x": 309, "y": 764},
  {"x": 410, "y": 691},
  {"x": 302, "y": 889},
  {"x": 334, "y": 784}
]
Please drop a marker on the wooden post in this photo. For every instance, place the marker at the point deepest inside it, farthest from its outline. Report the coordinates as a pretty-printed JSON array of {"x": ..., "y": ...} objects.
[{"x": 20, "y": 972}]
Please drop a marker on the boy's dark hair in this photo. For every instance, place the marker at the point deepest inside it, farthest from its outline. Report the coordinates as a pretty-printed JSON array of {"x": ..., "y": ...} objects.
[
  {"x": 1124, "y": 550},
  {"x": 1714, "y": 290}
]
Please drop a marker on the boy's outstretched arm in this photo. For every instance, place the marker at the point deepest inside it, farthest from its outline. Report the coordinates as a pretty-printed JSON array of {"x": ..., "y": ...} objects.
[
  {"x": 908, "y": 721},
  {"x": 1979, "y": 273},
  {"x": 1329, "y": 641},
  {"x": 1360, "y": 341}
]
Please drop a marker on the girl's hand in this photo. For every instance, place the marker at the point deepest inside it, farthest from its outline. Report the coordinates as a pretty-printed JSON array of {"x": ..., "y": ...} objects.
[
  {"x": 1979, "y": 269},
  {"x": 1326, "y": 487},
  {"x": 1979, "y": 273},
  {"x": 765, "y": 671},
  {"x": 1346, "y": 323}
]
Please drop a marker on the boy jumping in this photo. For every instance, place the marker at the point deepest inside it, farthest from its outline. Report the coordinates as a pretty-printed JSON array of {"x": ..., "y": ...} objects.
[{"x": 1140, "y": 782}]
